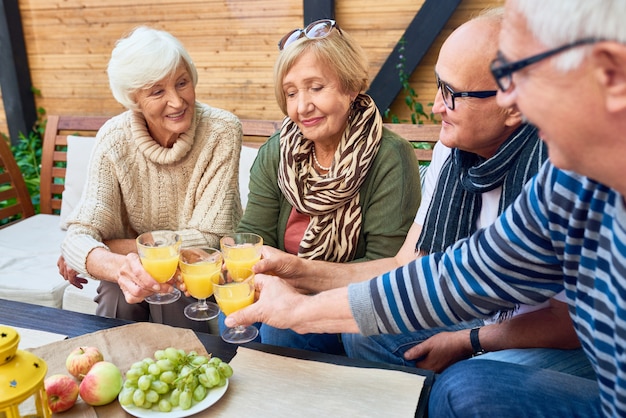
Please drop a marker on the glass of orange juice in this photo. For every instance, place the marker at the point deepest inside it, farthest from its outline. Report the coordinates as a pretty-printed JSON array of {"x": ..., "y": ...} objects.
[
  {"x": 200, "y": 268},
  {"x": 159, "y": 252},
  {"x": 231, "y": 295},
  {"x": 241, "y": 251}
]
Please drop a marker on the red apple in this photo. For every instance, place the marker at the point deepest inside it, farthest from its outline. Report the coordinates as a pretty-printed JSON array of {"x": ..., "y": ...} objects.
[
  {"x": 62, "y": 391},
  {"x": 81, "y": 359},
  {"x": 101, "y": 384}
]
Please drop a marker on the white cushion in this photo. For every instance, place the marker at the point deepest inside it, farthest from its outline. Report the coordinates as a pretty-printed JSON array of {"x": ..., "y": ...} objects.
[
  {"x": 248, "y": 155},
  {"x": 78, "y": 155},
  {"x": 81, "y": 300},
  {"x": 28, "y": 263}
]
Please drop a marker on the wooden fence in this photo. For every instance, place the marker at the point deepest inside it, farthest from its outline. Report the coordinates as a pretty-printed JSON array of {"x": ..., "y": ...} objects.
[{"x": 233, "y": 43}]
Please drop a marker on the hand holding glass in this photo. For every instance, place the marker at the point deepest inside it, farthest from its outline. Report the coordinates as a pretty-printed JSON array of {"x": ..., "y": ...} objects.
[
  {"x": 159, "y": 252},
  {"x": 241, "y": 251},
  {"x": 200, "y": 268},
  {"x": 231, "y": 295}
]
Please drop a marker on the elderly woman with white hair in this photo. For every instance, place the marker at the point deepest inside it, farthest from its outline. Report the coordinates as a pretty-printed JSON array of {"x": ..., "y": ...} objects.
[{"x": 167, "y": 163}]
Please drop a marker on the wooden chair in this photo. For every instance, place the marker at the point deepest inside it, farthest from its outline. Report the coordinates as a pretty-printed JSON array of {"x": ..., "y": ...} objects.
[
  {"x": 54, "y": 155},
  {"x": 257, "y": 131},
  {"x": 13, "y": 189}
]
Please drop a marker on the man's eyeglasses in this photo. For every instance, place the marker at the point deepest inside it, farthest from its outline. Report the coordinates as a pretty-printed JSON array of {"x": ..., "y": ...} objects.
[
  {"x": 448, "y": 94},
  {"x": 315, "y": 30},
  {"x": 503, "y": 70}
]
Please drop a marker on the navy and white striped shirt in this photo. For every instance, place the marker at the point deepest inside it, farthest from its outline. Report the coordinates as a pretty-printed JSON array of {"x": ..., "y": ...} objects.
[{"x": 564, "y": 231}]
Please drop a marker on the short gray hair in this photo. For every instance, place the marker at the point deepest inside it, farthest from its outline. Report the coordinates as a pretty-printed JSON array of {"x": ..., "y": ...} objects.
[
  {"x": 143, "y": 58},
  {"x": 559, "y": 22}
]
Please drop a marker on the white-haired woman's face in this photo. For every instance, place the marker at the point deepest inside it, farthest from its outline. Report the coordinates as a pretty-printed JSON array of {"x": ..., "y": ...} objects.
[{"x": 168, "y": 106}]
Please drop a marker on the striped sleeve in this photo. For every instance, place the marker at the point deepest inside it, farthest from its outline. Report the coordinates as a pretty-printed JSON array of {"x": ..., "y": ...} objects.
[{"x": 511, "y": 262}]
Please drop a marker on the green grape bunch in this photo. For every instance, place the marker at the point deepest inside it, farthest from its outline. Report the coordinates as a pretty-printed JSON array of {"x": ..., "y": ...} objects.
[{"x": 173, "y": 378}]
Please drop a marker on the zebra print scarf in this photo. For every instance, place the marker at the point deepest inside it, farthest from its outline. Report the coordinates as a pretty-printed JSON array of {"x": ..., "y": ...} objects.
[
  {"x": 456, "y": 202},
  {"x": 332, "y": 199}
]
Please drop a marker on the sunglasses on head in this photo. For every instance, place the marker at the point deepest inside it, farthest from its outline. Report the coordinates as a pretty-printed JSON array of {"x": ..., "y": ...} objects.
[{"x": 315, "y": 30}]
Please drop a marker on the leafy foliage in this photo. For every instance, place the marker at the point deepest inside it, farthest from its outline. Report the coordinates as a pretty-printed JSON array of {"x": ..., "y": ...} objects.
[
  {"x": 27, "y": 153},
  {"x": 418, "y": 114}
]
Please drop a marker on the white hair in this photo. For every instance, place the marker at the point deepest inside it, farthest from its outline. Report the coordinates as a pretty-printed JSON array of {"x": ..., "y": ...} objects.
[
  {"x": 143, "y": 58},
  {"x": 559, "y": 22}
]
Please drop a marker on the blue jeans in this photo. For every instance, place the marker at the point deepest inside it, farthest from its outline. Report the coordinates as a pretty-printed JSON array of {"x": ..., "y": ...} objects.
[
  {"x": 323, "y": 343},
  {"x": 573, "y": 362},
  {"x": 486, "y": 388},
  {"x": 388, "y": 348}
]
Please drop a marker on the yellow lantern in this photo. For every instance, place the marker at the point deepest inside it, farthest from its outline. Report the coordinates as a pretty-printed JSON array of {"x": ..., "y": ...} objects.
[{"x": 22, "y": 392}]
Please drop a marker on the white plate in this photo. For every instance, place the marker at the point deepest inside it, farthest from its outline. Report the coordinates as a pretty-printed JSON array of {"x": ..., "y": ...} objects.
[{"x": 214, "y": 395}]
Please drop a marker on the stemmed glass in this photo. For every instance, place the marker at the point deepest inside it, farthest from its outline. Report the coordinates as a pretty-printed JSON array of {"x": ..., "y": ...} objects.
[
  {"x": 159, "y": 251},
  {"x": 231, "y": 295},
  {"x": 241, "y": 251},
  {"x": 200, "y": 268}
]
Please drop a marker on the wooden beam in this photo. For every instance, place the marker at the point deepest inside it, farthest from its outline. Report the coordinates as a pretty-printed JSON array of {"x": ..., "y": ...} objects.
[
  {"x": 419, "y": 36},
  {"x": 318, "y": 9},
  {"x": 15, "y": 82}
]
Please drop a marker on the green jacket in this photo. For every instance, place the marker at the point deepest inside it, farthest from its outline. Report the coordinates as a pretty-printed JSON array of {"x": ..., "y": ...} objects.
[{"x": 389, "y": 198}]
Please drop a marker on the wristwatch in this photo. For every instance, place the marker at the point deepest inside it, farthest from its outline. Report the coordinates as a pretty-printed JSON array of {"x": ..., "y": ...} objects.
[{"x": 476, "y": 347}]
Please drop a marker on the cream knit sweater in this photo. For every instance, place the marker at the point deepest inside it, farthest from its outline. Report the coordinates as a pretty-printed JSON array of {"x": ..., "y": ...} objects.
[{"x": 135, "y": 185}]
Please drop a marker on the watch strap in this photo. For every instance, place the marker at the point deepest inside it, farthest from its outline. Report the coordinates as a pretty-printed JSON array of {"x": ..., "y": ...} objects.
[{"x": 477, "y": 349}]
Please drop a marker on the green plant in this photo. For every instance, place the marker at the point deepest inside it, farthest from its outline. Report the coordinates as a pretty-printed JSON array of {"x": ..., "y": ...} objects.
[
  {"x": 418, "y": 114},
  {"x": 27, "y": 153}
]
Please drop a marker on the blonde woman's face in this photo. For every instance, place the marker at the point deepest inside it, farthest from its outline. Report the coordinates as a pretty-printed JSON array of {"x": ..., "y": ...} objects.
[
  {"x": 315, "y": 100},
  {"x": 168, "y": 106}
]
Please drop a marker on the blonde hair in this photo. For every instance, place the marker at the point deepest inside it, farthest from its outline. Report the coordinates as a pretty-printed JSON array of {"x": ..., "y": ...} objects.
[{"x": 337, "y": 51}]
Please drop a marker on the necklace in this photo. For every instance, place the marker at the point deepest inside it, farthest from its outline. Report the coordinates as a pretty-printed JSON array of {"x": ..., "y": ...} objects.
[{"x": 317, "y": 163}]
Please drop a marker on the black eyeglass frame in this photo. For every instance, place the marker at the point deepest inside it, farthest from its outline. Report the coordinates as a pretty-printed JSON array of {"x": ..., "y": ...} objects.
[
  {"x": 481, "y": 94},
  {"x": 287, "y": 39},
  {"x": 501, "y": 69}
]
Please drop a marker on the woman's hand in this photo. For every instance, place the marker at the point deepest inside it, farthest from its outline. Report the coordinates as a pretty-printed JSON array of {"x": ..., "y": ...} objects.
[
  {"x": 136, "y": 283},
  {"x": 178, "y": 281},
  {"x": 70, "y": 274}
]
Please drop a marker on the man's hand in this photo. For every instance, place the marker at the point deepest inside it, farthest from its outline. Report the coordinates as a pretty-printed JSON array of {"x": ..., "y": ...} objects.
[
  {"x": 441, "y": 350},
  {"x": 70, "y": 274},
  {"x": 278, "y": 263},
  {"x": 275, "y": 304}
]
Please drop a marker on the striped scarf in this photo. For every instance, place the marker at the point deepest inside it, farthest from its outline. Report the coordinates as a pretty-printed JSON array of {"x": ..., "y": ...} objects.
[
  {"x": 456, "y": 202},
  {"x": 331, "y": 200}
]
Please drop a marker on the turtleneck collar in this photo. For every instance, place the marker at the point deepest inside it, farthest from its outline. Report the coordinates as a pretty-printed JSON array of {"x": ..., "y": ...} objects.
[{"x": 154, "y": 151}]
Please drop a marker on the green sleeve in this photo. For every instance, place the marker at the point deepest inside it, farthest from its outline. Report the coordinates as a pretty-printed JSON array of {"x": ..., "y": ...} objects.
[
  {"x": 263, "y": 210},
  {"x": 390, "y": 198}
]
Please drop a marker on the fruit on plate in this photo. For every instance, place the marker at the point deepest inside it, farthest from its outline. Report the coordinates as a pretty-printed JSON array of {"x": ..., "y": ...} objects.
[
  {"x": 173, "y": 378},
  {"x": 101, "y": 384},
  {"x": 81, "y": 359},
  {"x": 62, "y": 391}
]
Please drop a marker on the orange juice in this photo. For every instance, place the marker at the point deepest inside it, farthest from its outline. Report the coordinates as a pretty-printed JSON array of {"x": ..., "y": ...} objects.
[
  {"x": 234, "y": 296},
  {"x": 199, "y": 278},
  {"x": 241, "y": 258},
  {"x": 161, "y": 269}
]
